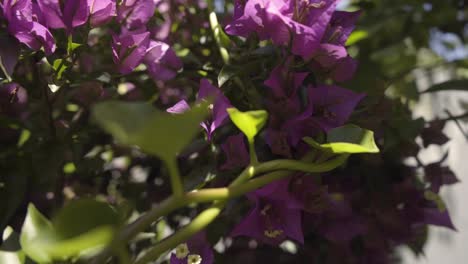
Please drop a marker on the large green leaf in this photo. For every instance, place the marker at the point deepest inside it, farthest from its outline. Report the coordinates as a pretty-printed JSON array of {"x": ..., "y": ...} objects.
[
  {"x": 250, "y": 122},
  {"x": 80, "y": 227},
  {"x": 452, "y": 85},
  {"x": 156, "y": 132},
  {"x": 347, "y": 139},
  {"x": 36, "y": 232}
]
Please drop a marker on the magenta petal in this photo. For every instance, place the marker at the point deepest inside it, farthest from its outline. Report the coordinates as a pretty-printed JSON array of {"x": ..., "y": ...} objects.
[
  {"x": 328, "y": 55},
  {"x": 162, "y": 62},
  {"x": 179, "y": 108},
  {"x": 433, "y": 216},
  {"x": 34, "y": 35},
  {"x": 52, "y": 13},
  {"x": 221, "y": 103},
  {"x": 236, "y": 152},
  {"x": 283, "y": 82},
  {"x": 308, "y": 36},
  {"x": 333, "y": 105},
  {"x": 340, "y": 27},
  {"x": 135, "y": 13},
  {"x": 17, "y": 10},
  {"x": 101, "y": 11},
  {"x": 344, "y": 69},
  {"x": 249, "y": 226},
  {"x": 293, "y": 225},
  {"x": 75, "y": 13},
  {"x": 129, "y": 50}
]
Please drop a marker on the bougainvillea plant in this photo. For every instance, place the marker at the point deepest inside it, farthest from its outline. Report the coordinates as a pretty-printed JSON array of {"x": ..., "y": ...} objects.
[{"x": 179, "y": 131}]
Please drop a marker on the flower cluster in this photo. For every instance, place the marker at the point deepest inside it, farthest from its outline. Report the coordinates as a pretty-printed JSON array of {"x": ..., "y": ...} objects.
[{"x": 33, "y": 24}]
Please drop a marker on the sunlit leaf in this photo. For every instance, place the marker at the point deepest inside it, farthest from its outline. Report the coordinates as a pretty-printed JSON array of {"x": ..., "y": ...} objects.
[
  {"x": 226, "y": 73},
  {"x": 156, "y": 132},
  {"x": 250, "y": 123},
  {"x": 357, "y": 36},
  {"x": 81, "y": 226},
  {"x": 36, "y": 231},
  {"x": 347, "y": 139},
  {"x": 10, "y": 251}
]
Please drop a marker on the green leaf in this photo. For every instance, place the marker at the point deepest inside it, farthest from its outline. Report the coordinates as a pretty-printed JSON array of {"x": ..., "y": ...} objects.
[
  {"x": 250, "y": 123},
  {"x": 36, "y": 231},
  {"x": 80, "y": 227},
  {"x": 357, "y": 36},
  {"x": 158, "y": 133},
  {"x": 226, "y": 73},
  {"x": 73, "y": 46},
  {"x": 10, "y": 251},
  {"x": 452, "y": 85},
  {"x": 59, "y": 66},
  {"x": 347, "y": 139}
]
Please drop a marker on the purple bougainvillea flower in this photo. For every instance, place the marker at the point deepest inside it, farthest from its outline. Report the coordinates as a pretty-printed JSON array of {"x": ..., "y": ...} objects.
[
  {"x": 331, "y": 55},
  {"x": 219, "y": 106},
  {"x": 221, "y": 103},
  {"x": 17, "y": 10},
  {"x": 344, "y": 69},
  {"x": 284, "y": 83},
  {"x": 275, "y": 217},
  {"x": 101, "y": 11},
  {"x": 236, "y": 152},
  {"x": 13, "y": 100},
  {"x": 161, "y": 60},
  {"x": 135, "y": 13},
  {"x": 129, "y": 49},
  {"x": 180, "y": 107},
  {"x": 303, "y": 22},
  {"x": 329, "y": 107},
  {"x": 23, "y": 25},
  {"x": 197, "y": 250},
  {"x": 340, "y": 27},
  {"x": 332, "y": 105},
  {"x": 328, "y": 214},
  {"x": 283, "y": 104},
  {"x": 438, "y": 175},
  {"x": 33, "y": 35},
  {"x": 66, "y": 14},
  {"x": 437, "y": 217}
]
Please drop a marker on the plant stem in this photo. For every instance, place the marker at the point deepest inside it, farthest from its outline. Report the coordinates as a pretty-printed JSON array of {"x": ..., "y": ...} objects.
[
  {"x": 236, "y": 188},
  {"x": 176, "y": 181},
  {"x": 197, "y": 224},
  {"x": 253, "y": 153},
  {"x": 219, "y": 36},
  {"x": 276, "y": 169}
]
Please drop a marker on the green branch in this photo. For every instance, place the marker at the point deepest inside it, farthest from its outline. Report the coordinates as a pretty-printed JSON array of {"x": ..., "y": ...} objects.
[
  {"x": 197, "y": 224},
  {"x": 272, "y": 170},
  {"x": 238, "y": 188},
  {"x": 176, "y": 180},
  {"x": 221, "y": 38}
]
